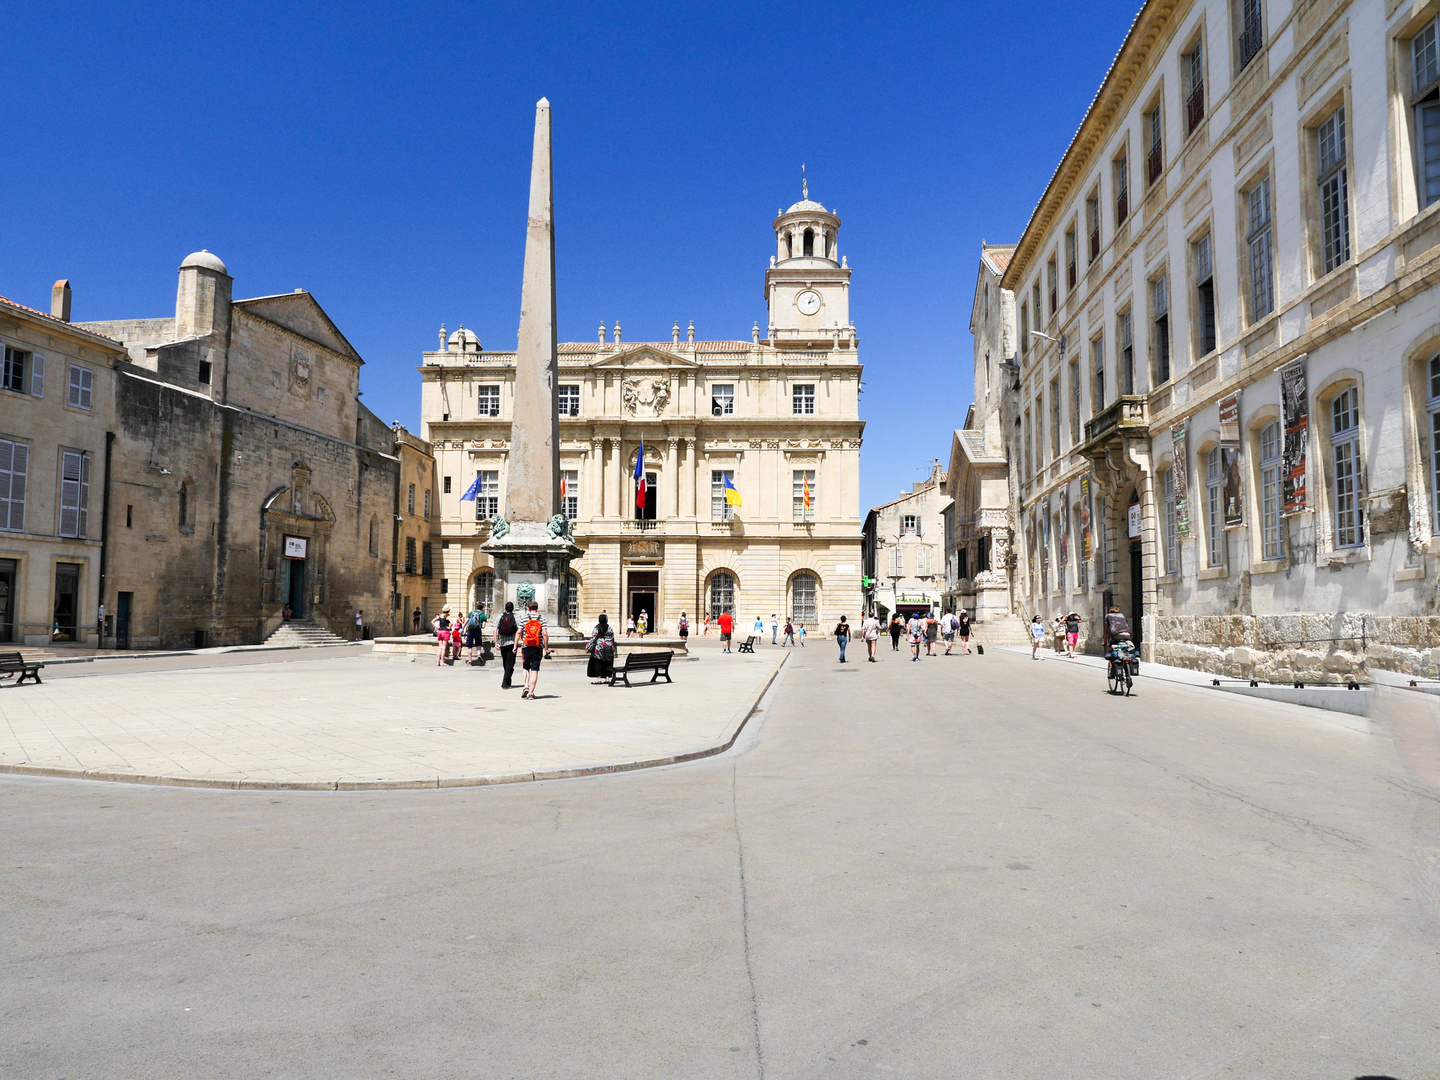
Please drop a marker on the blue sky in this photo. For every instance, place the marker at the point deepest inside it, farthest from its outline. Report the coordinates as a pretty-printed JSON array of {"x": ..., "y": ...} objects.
[{"x": 379, "y": 159}]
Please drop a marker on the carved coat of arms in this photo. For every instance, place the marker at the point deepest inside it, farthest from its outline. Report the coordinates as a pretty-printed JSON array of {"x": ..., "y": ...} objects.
[{"x": 647, "y": 395}]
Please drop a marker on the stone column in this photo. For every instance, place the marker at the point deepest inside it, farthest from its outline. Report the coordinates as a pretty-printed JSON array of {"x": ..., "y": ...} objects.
[
  {"x": 612, "y": 479},
  {"x": 687, "y": 481},
  {"x": 672, "y": 477},
  {"x": 593, "y": 474}
]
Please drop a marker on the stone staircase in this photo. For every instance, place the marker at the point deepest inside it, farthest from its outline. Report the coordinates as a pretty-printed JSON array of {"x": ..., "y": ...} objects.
[
  {"x": 303, "y": 632},
  {"x": 1002, "y": 630}
]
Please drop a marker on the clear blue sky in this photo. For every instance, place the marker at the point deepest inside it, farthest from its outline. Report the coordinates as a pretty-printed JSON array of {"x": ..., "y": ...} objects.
[{"x": 379, "y": 159}]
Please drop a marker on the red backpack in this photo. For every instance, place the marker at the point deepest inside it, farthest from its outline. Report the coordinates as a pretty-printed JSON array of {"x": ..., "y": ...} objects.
[{"x": 534, "y": 629}]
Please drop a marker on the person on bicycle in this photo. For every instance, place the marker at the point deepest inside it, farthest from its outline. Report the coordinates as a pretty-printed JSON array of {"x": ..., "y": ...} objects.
[{"x": 1117, "y": 629}]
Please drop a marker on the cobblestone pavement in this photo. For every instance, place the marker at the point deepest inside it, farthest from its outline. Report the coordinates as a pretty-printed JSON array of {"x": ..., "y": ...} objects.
[
  {"x": 361, "y": 720},
  {"x": 964, "y": 867}
]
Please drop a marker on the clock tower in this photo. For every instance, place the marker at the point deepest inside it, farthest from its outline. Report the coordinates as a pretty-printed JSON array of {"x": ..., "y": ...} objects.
[{"x": 807, "y": 286}]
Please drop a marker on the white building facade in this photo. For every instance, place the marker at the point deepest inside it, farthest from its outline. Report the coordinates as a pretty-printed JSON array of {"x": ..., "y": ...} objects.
[
  {"x": 775, "y": 417},
  {"x": 909, "y": 541},
  {"x": 1228, "y": 340}
]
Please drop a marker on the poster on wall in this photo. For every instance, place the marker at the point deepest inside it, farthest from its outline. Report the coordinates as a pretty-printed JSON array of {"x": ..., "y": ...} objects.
[
  {"x": 1180, "y": 474},
  {"x": 1134, "y": 521},
  {"x": 1295, "y": 416},
  {"x": 295, "y": 547},
  {"x": 1045, "y": 532},
  {"x": 1085, "y": 550},
  {"x": 1234, "y": 505},
  {"x": 1064, "y": 530}
]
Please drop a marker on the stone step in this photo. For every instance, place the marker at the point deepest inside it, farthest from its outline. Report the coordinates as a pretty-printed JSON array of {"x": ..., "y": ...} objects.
[
  {"x": 1001, "y": 630},
  {"x": 303, "y": 632}
]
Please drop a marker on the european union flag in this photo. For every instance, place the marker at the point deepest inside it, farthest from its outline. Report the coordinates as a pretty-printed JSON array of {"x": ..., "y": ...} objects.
[{"x": 472, "y": 491}]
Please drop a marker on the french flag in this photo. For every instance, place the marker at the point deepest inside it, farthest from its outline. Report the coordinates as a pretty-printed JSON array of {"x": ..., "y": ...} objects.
[{"x": 640, "y": 485}]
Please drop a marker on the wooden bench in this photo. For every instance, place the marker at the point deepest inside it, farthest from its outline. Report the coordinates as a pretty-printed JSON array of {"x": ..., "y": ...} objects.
[
  {"x": 12, "y": 663},
  {"x": 748, "y": 645},
  {"x": 658, "y": 663}
]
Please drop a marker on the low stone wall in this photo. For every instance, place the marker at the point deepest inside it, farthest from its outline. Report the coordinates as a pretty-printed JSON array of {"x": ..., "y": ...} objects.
[{"x": 1313, "y": 647}]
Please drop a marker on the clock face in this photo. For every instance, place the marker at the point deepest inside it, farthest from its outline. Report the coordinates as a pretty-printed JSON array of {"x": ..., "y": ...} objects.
[{"x": 808, "y": 302}]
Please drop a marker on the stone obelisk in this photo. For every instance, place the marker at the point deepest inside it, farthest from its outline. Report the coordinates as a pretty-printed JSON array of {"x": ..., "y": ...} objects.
[{"x": 530, "y": 542}]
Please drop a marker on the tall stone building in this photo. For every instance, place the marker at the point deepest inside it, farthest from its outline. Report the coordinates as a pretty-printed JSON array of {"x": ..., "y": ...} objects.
[
  {"x": 1228, "y": 342},
  {"x": 57, "y": 399},
  {"x": 777, "y": 417},
  {"x": 908, "y": 538},
  {"x": 246, "y": 473}
]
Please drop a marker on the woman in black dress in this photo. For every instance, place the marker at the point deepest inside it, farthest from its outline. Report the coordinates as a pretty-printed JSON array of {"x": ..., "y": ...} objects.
[{"x": 601, "y": 651}]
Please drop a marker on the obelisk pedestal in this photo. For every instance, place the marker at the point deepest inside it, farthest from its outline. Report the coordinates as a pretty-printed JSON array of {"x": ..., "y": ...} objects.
[{"x": 530, "y": 542}]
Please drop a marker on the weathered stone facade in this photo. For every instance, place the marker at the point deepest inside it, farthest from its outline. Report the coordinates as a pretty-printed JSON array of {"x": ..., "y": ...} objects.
[{"x": 246, "y": 473}]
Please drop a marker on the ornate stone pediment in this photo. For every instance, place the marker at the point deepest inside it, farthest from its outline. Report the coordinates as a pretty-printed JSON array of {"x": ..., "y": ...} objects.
[{"x": 645, "y": 356}]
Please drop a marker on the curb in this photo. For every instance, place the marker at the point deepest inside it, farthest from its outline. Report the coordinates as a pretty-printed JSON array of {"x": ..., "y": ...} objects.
[{"x": 746, "y": 712}]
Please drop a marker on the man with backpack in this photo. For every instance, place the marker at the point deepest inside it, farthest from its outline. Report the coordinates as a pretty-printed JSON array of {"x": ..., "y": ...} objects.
[
  {"x": 535, "y": 639},
  {"x": 505, "y": 631}
]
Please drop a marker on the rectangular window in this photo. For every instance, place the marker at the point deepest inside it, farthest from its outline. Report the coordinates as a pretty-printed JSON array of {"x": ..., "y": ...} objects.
[
  {"x": 1035, "y": 307},
  {"x": 82, "y": 380},
  {"x": 1432, "y": 409},
  {"x": 1192, "y": 64},
  {"x": 802, "y": 496},
  {"x": 487, "y": 499},
  {"x": 1345, "y": 448},
  {"x": 410, "y": 564},
  {"x": 447, "y": 485},
  {"x": 802, "y": 399},
  {"x": 1214, "y": 496},
  {"x": 74, "y": 492},
  {"x": 410, "y": 499},
  {"x": 1071, "y": 259},
  {"x": 1172, "y": 536},
  {"x": 1121, "y": 168},
  {"x": 897, "y": 561},
  {"x": 1204, "y": 297},
  {"x": 1155, "y": 145},
  {"x": 1261, "y": 239},
  {"x": 922, "y": 561},
  {"x": 1126, "y": 359},
  {"x": 1029, "y": 458},
  {"x": 1055, "y": 417},
  {"x": 1270, "y": 490},
  {"x": 1334, "y": 192},
  {"x": 568, "y": 399},
  {"x": 722, "y": 399},
  {"x": 1040, "y": 430},
  {"x": 202, "y": 372},
  {"x": 427, "y": 504},
  {"x": 1074, "y": 402},
  {"x": 1160, "y": 302},
  {"x": 570, "y": 493},
  {"x": 1053, "y": 273},
  {"x": 427, "y": 559},
  {"x": 12, "y": 375},
  {"x": 488, "y": 400},
  {"x": 1092, "y": 224},
  {"x": 14, "y": 463},
  {"x": 910, "y": 525},
  {"x": 1082, "y": 564},
  {"x": 720, "y": 510},
  {"x": 1024, "y": 329},
  {"x": 1250, "y": 31},
  {"x": 1097, "y": 376},
  {"x": 1425, "y": 97}
]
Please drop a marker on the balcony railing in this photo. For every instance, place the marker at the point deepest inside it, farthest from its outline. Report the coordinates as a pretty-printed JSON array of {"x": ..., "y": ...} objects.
[
  {"x": 1125, "y": 416},
  {"x": 1195, "y": 108},
  {"x": 1154, "y": 163},
  {"x": 645, "y": 525},
  {"x": 1249, "y": 43}
]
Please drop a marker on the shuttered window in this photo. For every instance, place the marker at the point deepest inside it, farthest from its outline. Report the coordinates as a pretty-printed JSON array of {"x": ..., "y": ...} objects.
[
  {"x": 74, "y": 492},
  {"x": 14, "y": 461}
]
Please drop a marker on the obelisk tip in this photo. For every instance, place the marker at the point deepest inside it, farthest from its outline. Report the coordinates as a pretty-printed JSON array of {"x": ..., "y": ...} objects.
[{"x": 543, "y": 103}]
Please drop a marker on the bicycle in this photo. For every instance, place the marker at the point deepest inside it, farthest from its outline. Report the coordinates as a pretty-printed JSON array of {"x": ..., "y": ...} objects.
[{"x": 1119, "y": 676}]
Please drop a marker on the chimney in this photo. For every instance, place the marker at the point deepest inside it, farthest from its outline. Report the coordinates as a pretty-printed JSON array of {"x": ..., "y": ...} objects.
[{"x": 60, "y": 300}]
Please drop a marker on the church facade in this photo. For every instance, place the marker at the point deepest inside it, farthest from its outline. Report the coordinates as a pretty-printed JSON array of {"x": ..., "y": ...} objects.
[{"x": 776, "y": 418}]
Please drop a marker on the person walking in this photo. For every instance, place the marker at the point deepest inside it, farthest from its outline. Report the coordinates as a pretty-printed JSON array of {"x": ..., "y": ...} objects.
[
  {"x": 842, "y": 636},
  {"x": 916, "y": 634},
  {"x": 870, "y": 632},
  {"x": 1072, "y": 633},
  {"x": 962, "y": 629},
  {"x": 441, "y": 625},
  {"x": 505, "y": 631},
  {"x": 947, "y": 630},
  {"x": 789, "y": 638},
  {"x": 932, "y": 628},
  {"x": 630, "y": 626},
  {"x": 534, "y": 640},
  {"x": 472, "y": 635},
  {"x": 758, "y": 629},
  {"x": 774, "y": 629},
  {"x": 727, "y": 628},
  {"x": 705, "y": 627},
  {"x": 683, "y": 628},
  {"x": 643, "y": 623},
  {"x": 896, "y": 629},
  {"x": 601, "y": 650},
  {"x": 801, "y": 634},
  {"x": 1037, "y": 637}
]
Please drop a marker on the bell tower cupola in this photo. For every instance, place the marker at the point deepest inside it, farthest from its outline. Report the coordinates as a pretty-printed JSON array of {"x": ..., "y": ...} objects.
[{"x": 807, "y": 287}]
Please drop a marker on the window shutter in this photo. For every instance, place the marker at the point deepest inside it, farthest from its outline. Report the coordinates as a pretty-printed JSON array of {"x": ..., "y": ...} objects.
[
  {"x": 69, "y": 494},
  {"x": 37, "y": 375},
  {"x": 84, "y": 491},
  {"x": 18, "y": 467}
]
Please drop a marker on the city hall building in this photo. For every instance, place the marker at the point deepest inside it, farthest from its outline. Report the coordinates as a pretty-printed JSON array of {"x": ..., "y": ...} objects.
[
  {"x": 1223, "y": 415},
  {"x": 776, "y": 417}
]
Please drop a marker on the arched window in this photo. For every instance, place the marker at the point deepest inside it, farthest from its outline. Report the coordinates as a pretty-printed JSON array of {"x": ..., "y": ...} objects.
[
  {"x": 809, "y": 242},
  {"x": 374, "y": 536},
  {"x": 1214, "y": 502},
  {"x": 1270, "y": 464},
  {"x": 186, "y": 507},
  {"x": 572, "y": 596},
  {"x": 484, "y": 590},
  {"x": 1345, "y": 466},
  {"x": 1172, "y": 531},
  {"x": 805, "y": 599},
  {"x": 722, "y": 593}
]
